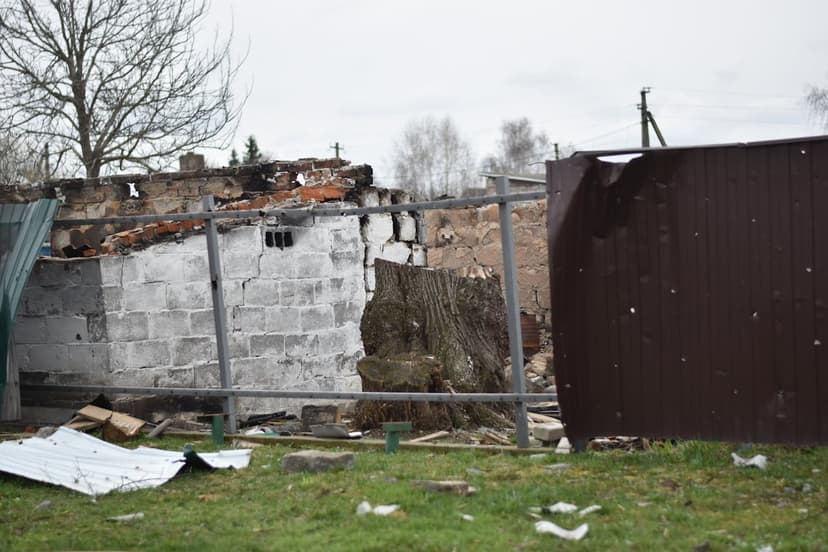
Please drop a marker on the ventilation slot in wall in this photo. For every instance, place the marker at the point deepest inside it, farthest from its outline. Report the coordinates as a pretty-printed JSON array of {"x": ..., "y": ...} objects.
[{"x": 278, "y": 238}]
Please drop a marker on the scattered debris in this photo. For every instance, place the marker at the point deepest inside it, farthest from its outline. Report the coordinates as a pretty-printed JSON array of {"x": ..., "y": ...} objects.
[
  {"x": 669, "y": 484},
  {"x": 334, "y": 431},
  {"x": 430, "y": 437},
  {"x": 94, "y": 467},
  {"x": 160, "y": 428},
  {"x": 759, "y": 461},
  {"x": 127, "y": 517},
  {"x": 563, "y": 446},
  {"x": 557, "y": 508},
  {"x": 258, "y": 419},
  {"x": 765, "y": 548},
  {"x": 45, "y": 431},
  {"x": 116, "y": 425},
  {"x": 560, "y": 466},
  {"x": 488, "y": 435},
  {"x": 316, "y": 415},
  {"x": 474, "y": 471},
  {"x": 541, "y": 456},
  {"x": 619, "y": 442},
  {"x": 365, "y": 507},
  {"x": 548, "y": 432},
  {"x": 45, "y": 505},
  {"x": 574, "y": 535},
  {"x": 589, "y": 510},
  {"x": 807, "y": 488},
  {"x": 460, "y": 488},
  {"x": 317, "y": 461},
  {"x": 467, "y": 517}
]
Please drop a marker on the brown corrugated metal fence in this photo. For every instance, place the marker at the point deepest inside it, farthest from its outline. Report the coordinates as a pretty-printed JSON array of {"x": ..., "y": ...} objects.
[{"x": 689, "y": 293}]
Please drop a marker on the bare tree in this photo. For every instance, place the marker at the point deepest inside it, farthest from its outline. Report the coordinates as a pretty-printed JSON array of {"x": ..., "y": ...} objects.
[
  {"x": 114, "y": 81},
  {"x": 817, "y": 100},
  {"x": 20, "y": 162},
  {"x": 432, "y": 159},
  {"x": 518, "y": 146}
]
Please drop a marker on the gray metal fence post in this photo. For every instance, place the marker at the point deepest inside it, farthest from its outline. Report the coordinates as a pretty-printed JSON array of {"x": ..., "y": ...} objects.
[
  {"x": 507, "y": 239},
  {"x": 219, "y": 314}
]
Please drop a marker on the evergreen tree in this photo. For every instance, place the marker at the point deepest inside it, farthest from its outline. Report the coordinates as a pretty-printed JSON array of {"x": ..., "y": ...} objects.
[
  {"x": 252, "y": 154},
  {"x": 234, "y": 159}
]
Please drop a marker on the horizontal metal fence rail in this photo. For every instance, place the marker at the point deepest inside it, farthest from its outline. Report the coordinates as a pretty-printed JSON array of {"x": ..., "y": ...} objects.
[{"x": 281, "y": 393}]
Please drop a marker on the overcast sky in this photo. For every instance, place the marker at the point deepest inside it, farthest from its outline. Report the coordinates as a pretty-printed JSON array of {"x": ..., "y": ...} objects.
[{"x": 357, "y": 71}]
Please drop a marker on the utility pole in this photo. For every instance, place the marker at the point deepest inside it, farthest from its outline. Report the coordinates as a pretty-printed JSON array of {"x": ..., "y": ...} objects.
[
  {"x": 645, "y": 130},
  {"x": 337, "y": 148},
  {"x": 46, "y": 161},
  {"x": 648, "y": 119}
]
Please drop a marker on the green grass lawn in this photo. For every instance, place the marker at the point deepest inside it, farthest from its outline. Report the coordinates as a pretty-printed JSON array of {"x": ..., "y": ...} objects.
[{"x": 668, "y": 498}]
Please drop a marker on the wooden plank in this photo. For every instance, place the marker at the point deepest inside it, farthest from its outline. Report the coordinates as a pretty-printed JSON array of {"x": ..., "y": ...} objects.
[
  {"x": 95, "y": 413},
  {"x": 440, "y": 434}
]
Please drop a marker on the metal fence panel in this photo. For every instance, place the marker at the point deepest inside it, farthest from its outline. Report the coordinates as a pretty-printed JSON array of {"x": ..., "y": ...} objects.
[{"x": 690, "y": 292}]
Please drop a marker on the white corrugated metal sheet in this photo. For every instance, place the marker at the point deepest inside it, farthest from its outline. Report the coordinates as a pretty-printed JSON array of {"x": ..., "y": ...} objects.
[{"x": 88, "y": 465}]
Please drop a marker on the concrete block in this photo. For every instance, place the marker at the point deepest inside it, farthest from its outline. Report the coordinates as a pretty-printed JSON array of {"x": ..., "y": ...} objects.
[
  {"x": 377, "y": 228},
  {"x": 301, "y": 345},
  {"x": 278, "y": 264},
  {"x": 149, "y": 354},
  {"x": 314, "y": 265},
  {"x": 206, "y": 375},
  {"x": 347, "y": 262},
  {"x": 66, "y": 329},
  {"x": 29, "y": 329},
  {"x": 396, "y": 252},
  {"x": 242, "y": 238},
  {"x": 187, "y": 350},
  {"x": 96, "y": 327},
  {"x": 372, "y": 251},
  {"x": 202, "y": 322},
  {"x": 145, "y": 297},
  {"x": 320, "y": 317},
  {"x": 314, "y": 461},
  {"x": 42, "y": 301},
  {"x": 419, "y": 255},
  {"x": 267, "y": 345},
  {"x": 550, "y": 431},
  {"x": 168, "y": 323},
  {"x": 369, "y": 197},
  {"x": 297, "y": 292},
  {"x": 56, "y": 272},
  {"x": 348, "y": 313},
  {"x": 240, "y": 263},
  {"x": 335, "y": 290},
  {"x": 111, "y": 267},
  {"x": 405, "y": 228},
  {"x": 239, "y": 344},
  {"x": 261, "y": 292},
  {"x": 195, "y": 267},
  {"x": 346, "y": 240},
  {"x": 233, "y": 292},
  {"x": 345, "y": 340},
  {"x": 88, "y": 358},
  {"x": 189, "y": 295},
  {"x": 127, "y": 326},
  {"x": 172, "y": 377},
  {"x": 162, "y": 268},
  {"x": 252, "y": 371},
  {"x": 313, "y": 239},
  {"x": 112, "y": 297},
  {"x": 282, "y": 319},
  {"x": 132, "y": 270},
  {"x": 192, "y": 244},
  {"x": 81, "y": 300},
  {"x": 48, "y": 358},
  {"x": 251, "y": 319}
]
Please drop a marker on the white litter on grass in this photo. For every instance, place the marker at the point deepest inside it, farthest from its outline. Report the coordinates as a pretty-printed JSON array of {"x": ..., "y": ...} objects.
[
  {"x": 364, "y": 507},
  {"x": 589, "y": 510},
  {"x": 467, "y": 517},
  {"x": 766, "y": 548},
  {"x": 574, "y": 535},
  {"x": 127, "y": 517},
  {"x": 759, "y": 461},
  {"x": 94, "y": 467},
  {"x": 557, "y": 508}
]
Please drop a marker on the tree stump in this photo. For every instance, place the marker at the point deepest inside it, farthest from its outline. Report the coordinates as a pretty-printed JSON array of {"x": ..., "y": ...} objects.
[{"x": 420, "y": 315}]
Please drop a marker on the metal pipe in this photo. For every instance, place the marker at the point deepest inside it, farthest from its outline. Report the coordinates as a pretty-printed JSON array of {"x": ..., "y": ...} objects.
[
  {"x": 219, "y": 315},
  {"x": 280, "y": 393},
  {"x": 313, "y": 211},
  {"x": 507, "y": 240}
]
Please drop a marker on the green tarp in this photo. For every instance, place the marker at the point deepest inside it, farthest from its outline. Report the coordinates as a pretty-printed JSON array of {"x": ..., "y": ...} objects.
[{"x": 23, "y": 228}]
